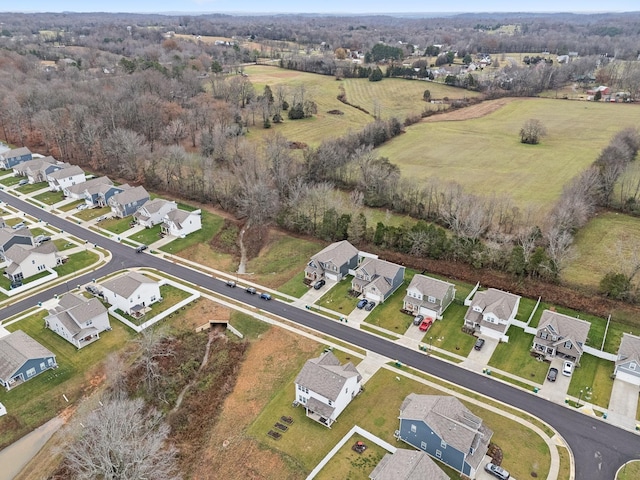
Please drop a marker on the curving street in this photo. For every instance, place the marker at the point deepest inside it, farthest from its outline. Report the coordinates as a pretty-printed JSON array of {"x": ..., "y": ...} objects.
[{"x": 598, "y": 447}]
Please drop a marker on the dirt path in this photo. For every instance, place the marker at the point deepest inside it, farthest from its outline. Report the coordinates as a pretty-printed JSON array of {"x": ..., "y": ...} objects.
[
  {"x": 205, "y": 359},
  {"x": 242, "y": 266},
  {"x": 468, "y": 113}
]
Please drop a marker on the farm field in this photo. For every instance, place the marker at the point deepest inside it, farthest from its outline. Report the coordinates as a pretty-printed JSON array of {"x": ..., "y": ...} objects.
[{"x": 486, "y": 157}]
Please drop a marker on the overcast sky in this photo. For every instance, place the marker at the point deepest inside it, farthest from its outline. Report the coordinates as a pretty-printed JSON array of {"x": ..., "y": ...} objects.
[{"x": 321, "y": 6}]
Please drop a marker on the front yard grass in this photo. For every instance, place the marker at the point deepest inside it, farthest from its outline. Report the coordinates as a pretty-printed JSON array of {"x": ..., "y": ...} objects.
[
  {"x": 170, "y": 296},
  {"x": 593, "y": 373},
  {"x": 250, "y": 327},
  {"x": 63, "y": 244},
  {"x": 295, "y": 286},
  {"x": 116, "y": 225},
  {"x": 10, "y": 180},
  {"x": 388, "y": 315},
  {"x": 338, "y": 298},
  {"x": 447, "y": 333},
  {"x": 70, "y": 206},
  {"x": 91, "y": 213},
  {"x": 515, "y": 357},
  {"x": 32, "y": 187},
  {"x": 211, "y": 225},
  {"x": 39, "y": 399},
  {"x": 376, "y": 410},
  {"x": 49, "y": 198},
  {"x": 630, "y": 471},
  {"x": 77, "y": 262},
  {"x": 148, "y": 235}
]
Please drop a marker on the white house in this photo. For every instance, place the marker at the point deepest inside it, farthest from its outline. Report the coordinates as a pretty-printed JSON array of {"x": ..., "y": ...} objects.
[
  {"x": 78, "y": 320},
  {"x": 491, "y": 312},
  {"x": 325, "y": 388},
  {"x": 428, "y": 296},
  {"x": 153, "y": 212},
  {"x": 628, "y": 362},
  {"x": 65, "y": 177},
  {"x": 132, "y": 293},
  {"x": 180, "y": 223},
  {"x": 27, "y": 261}
]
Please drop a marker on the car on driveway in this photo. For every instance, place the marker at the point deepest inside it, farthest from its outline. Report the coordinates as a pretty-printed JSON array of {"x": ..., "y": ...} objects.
[
  {"x": 369, "y": 306},
  {"x": 553, "y": 374},
  {"x": 93, "y": 290},
  {"x": 319, "y": 284},
  {"x": 251, "y": 290},
  {"x": 567, "y": 368},
  {"x": 424, "y": 326},
  {"x": 479, "y": 344},
  {"x": 362, "y": 303},
  {"x": 497, "y": 471},
  {"x": 82, "y": 206},
  {"x": 417, "y": 320}
]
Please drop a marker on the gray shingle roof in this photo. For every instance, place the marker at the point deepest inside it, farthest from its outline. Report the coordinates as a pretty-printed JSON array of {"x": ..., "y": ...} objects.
[
  {"x": 337, "y": 253},
  {"x": 16, "y": 152},
  {"x": 89, "y": 185},
  {"x": 153, "y": 206},
  {"x": 130, "y": 195},
  {"x": 629, "y": 349},
  {"x": 407, "y": 465},
  {"x": 325, "y": 376},
  {"x": 69, "y": 171},
  {"x": 79, "y": 308},
  {"x": 178, "y": 216},
  {"x": 125, "y": 285},
  {"x": 499, "y": 303},
  {"x": 7, "y": 233},
  {"x": 35, "y": 164},
  {"x": 565, "y": 327},
  {"x": 16, "y": 349},
  {"x": 430, "y": 286},
  {"x": 451, "y": 421}
]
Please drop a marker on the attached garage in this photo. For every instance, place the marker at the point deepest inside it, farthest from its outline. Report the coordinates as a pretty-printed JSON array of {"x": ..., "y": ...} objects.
[
  {"x": 373, "y": 296},
  {"x": 628, "y": 377},
  {"x": 332, "y": 276}
]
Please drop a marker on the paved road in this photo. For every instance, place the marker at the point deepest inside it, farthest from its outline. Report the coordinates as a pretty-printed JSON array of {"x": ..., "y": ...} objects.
[{"x": 598, "y": 447}]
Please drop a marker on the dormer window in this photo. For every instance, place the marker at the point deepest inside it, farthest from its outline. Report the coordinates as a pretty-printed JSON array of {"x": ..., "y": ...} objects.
[
  {"x": 432, "y": 299},
  {"x": 567, "y": 344}
]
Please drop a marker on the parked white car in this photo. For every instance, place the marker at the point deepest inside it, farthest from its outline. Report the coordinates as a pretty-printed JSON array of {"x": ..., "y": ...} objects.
[
  {"x": 82, "y": 206},
  {"x": 567, "y": 368}
]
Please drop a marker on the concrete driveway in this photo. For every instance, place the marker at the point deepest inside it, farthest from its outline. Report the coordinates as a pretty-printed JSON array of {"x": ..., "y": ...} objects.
[
  {"x": 479, "y": 359},
  {"x": 481, "y": 474},
  {"x": 556, "y": 391},
  {"x": 624, "y": 399},
  {"x": 312, "y": 295}
]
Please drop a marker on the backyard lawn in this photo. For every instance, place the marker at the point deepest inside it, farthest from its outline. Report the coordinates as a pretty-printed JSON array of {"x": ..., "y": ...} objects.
[
  {"x": 49, "y": 198},
  {"x": 148, "y": 235},
  {"x": 593, "y": 375},
  {"x": 515, "y": 357},
  {"x": 338, "y": 298},
  {"x": 347, "y": 463},
  {"x": 447, "y": 333}
]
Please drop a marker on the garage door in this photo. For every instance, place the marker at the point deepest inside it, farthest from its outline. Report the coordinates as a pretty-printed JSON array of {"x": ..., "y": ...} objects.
[
  {"x": 627, "y": 377},
  {"x": 427, "y": 312},
  {"x": 371, "y": 296},
  {"x": 331, "y": 276}
]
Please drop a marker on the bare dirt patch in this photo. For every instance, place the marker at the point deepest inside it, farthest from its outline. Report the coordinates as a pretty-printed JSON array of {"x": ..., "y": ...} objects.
[{"x": 471, "y": 112}]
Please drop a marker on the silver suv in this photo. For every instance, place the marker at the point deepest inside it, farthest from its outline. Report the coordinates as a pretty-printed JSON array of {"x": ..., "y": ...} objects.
[{"x": 497, "y": 471}]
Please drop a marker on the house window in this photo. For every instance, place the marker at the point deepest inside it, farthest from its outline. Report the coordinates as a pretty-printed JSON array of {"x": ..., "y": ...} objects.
[
  {"x": 632, "y": 366},
  {"x": 443, "y": 444},
  {"x": 42, "y": 366},
  {"x": 432, "y": 299},
  {"x": 31, "y": 372},
  {"x": 330, "y": 403},
  {"x": 414, "y": 429},
  {"x": 554, "y": 338},
  {"x": 153, "y": 298},
  {"x": 544, "y": 334},
  {"x": 423, "y": 445},
  {"x": 50, "y": 361},
  {"x": 439, "y": 454},
  {"x": 567, "y": 344}
]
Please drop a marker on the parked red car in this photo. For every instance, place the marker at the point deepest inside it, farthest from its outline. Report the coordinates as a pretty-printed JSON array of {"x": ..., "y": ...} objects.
[{"x": 426, "y": 323}]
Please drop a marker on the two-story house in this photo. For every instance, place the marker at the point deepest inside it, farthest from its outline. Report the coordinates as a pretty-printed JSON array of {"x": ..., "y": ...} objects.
[
  {"x": 11, "y": 158},
  {"x": 78, "y": 190},
  {"x": 406, "y": 464},
  {"x": 428, "y": 296},
  {"x": 627, "y": 366},
  {"x": 332, "y": 262},
  {"x": 491, "y": 312},
  {"x": 36, "y": 170},
  {"x": 133, "y": 293},
  {"x": 128, "y": 201},
  {"x": 153, "y": 212},
  {"x": 10, "y": 237},
  {"x": 22, "y": 358},
  {"x": 377, "y": 279},
  {"x": 78, "y": 320},
  {"x": 447, "y": 430},
  {"x": 325, "y": 387},
  {"x": 180, "y": 223},
  {"x": 27, "y": 261},
  {"x": 560, "y": 335},
  {"x": 65, "y": 177}
]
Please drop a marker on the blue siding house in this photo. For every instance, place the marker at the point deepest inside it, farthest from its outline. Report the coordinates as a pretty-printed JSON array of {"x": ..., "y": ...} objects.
[
  {"x": 22, "y": 358},
  {"x": 127, "y": 202},
  {"x": 13, "y": 157},
  {"x": 445, "y": 429}
]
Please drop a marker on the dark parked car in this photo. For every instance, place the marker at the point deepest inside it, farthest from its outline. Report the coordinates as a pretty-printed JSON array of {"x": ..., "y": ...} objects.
[
  {"x": 41, "y": 239},
  {"x": 479, "y": 344},
  {"x": 369, "y": 306},
  {"x": 251, "y": 290},
  {"x": 92, "y": 289},
  {"x": 497, "y": 471},
  {"x": 141, "y": 248},
  {"x": 552, "y": 375},
  {"x": 417, "y": 320},
  {"x": 265, "y": 296},
  {"x": 319, "y": 284},
  {"x": 231, "y": 283},
  {"x": 361, "y": 304}
]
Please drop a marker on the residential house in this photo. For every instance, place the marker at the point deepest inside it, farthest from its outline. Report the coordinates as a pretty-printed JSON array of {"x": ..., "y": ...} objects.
[
  {"x": 491, "y": 312},
  {"x": 78, "y": 320},
  {"x": 377, "y": 279},
  {"x": 11, "y": 158},
  {"x": 428, "y": 296},
  {"x": 447, "y": 430},
  {"x": 36, "y": 170},
  {"x": 27, "y": 261},
  {"x": 180, "y": 223},
  {"x": 332, "y": 262},
  {"x": 560, "y": 335},
  {"x": 128, "y": 201},
  {"x": 133, "y": 293},
  {"x": 153, "y": 212},
  {"x": 65, "y": 177},
  {"x": 325, "y": 388},
  {"x": 22, "y": 358},
  {"x": 99, "y": 195},
  {"x": 10, "y": 237},
  {"x": 628, "y": 363},
  {"x": 406, "y": 464},
  {"x": 78, "y": 190}
]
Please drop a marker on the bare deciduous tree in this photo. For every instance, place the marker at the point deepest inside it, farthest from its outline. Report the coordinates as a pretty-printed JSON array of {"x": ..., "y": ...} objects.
[{"x": 532, "y": 131}]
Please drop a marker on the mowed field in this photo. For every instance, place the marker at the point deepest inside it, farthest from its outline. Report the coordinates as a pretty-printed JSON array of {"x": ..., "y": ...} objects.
[
  {"x": 485, "y": 155},
  {"x": 395, "y": 97}
]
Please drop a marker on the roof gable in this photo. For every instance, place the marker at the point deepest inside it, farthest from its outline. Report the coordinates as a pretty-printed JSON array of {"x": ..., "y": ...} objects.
[
  {"x": 325, "y": 376},
  {"x": 16, "y": 349}
]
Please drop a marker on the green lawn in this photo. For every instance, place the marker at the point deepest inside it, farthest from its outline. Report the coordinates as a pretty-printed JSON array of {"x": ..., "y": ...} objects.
[
  {"x": 630, "y": 471},
  {"x": 148, "y": 235},
  {"x": 39, "y": 399},
  {"x": 376, "y": 410},
  {"x": 295, "y": 286},
  {"x": 70, "y": 206},
  {"x": 338, "y": 299},
  {"x": 91, "y": 213},
  {"x": 503, "y": 166},
  {"x": 526, "y": 308},
  {"x": 63, "y": 244},
  {"x": 447, "y": 333},
  {"x": 388, "y": 315},
  {"x": 116, "y": 225},
  {"x": 211, "y": 224},
  {"x": 594, "y": 373},
  {"x": 515, "y": 357},
  {"x": 32, "y": 187},
  {"x": 250, "y": 327},
  {"x": 49, "y": 198},
  {"x": 77, "y": 262},
  {"x": 170, "y": 296},
  {"x": 347, "y": 463},
  {"x": 10, "y": 180}
]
